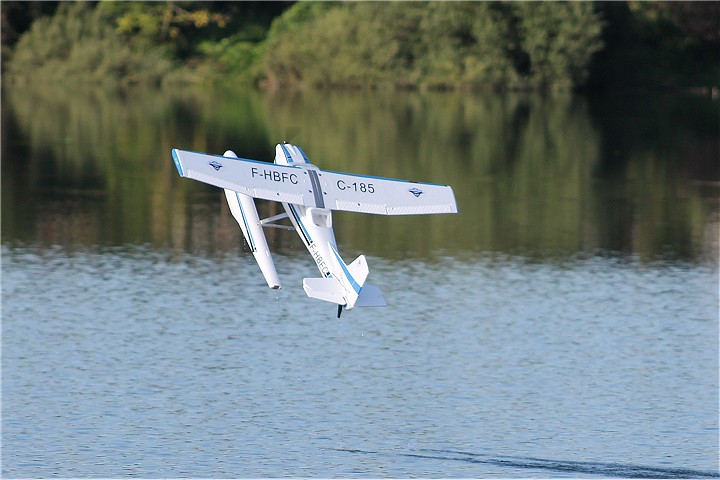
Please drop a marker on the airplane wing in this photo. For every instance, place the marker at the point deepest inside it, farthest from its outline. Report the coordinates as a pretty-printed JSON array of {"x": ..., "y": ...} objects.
[
  {"x": 385, "y": 196},
  {"x": 264, "y": 180},
  {"x": 312, "y": 187}
]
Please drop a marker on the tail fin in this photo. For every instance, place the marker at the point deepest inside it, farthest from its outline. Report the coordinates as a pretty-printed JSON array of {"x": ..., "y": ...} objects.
[
  {"x": 327, "y": 289},
  {"x": 359, "y": 270},
  {"x": 370, "y": 296},
  {"x": 348, "y": 289},
  {"x": 352, "y": 278}
]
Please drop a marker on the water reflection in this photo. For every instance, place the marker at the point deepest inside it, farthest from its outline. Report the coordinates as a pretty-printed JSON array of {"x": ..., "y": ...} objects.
[{"x": 534, "y": 176}]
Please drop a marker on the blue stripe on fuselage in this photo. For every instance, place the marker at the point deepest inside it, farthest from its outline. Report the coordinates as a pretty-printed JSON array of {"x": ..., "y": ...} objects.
[
  {"x": 356, "y": 286},
  {"x": 303, "y": 154},
  {"x": 287, "y": 154},
  {"x": 308, "y": 240}
]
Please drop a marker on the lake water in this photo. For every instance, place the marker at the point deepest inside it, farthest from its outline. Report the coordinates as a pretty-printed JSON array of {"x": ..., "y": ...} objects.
[{"x": 564, "y": 324}]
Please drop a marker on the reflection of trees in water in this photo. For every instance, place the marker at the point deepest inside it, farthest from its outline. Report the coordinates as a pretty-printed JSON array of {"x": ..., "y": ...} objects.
[
  {"x": 527, "y": 170},
  {"x": 533, "y": 175}
]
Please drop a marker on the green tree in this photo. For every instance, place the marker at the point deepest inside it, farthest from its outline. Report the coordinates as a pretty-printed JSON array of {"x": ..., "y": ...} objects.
[
  {"x": 560, "y": 39},
  {"x": 468, "y": 44},
  {"x": 174, "y": 24},
  {"x": 80, "y": 43},
  {"x": 434, "y": 44}
]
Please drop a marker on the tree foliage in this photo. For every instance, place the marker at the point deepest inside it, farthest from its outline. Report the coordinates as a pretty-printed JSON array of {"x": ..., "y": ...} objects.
[
  {"x": 170, "y": 23},
  {"x": 80, "y": 43},
  {"x": 409, "y": 44},
  {"x": 559, "y": 40},
  {"x": 435, "y": 44}
]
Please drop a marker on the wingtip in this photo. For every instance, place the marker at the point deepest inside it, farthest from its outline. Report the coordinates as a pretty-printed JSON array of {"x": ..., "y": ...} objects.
[{"x": 176, "y": 159}]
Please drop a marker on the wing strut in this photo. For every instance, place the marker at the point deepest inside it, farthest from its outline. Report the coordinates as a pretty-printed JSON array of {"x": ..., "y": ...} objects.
[
  {"x": 269, "y": 222},
  {"x": 282, "y": 216}
]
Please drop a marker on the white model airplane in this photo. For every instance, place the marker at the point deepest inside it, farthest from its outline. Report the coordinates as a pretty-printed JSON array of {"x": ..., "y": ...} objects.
[{"x": 309, "y": 195}]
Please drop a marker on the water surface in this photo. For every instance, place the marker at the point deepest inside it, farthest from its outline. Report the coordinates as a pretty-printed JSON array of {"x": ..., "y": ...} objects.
[
  {"x": 564, "y": 324},
  {"x": 131, "y": 361}
]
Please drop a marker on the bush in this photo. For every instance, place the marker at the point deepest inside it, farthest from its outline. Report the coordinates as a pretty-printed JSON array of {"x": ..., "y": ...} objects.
[
  {"x": 559, "y": 40},
  {"x": 80, "y": 44},
  {"x": 434, "y": 44}
]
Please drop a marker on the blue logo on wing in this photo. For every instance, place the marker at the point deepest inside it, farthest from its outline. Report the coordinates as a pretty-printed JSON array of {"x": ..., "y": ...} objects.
[
  {"x": 416, "y": 191},
  {"x": 216, "y": 165}
]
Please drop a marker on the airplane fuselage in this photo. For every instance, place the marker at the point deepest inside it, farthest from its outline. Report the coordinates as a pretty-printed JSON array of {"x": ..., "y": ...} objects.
[
  {"x": 314, "y": 224},
  {"x": 308, "y": 195}
]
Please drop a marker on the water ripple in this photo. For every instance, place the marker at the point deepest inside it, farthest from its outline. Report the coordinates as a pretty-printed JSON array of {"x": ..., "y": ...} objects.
[{"x": 566, "y": 466}]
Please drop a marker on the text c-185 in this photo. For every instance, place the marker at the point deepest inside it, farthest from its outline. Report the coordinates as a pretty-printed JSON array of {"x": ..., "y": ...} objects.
[{"x": 356, "y": 186}]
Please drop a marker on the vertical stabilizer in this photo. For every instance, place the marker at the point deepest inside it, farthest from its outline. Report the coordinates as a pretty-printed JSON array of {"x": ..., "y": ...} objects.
[
  {"x": 359, "y": 270},
  {"x": 353, "y": 276}
]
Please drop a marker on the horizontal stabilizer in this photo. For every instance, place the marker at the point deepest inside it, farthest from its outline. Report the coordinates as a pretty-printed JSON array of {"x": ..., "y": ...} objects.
[
  {"x": 327, "y": 289},
  {"x": 370, "y": 296}
]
